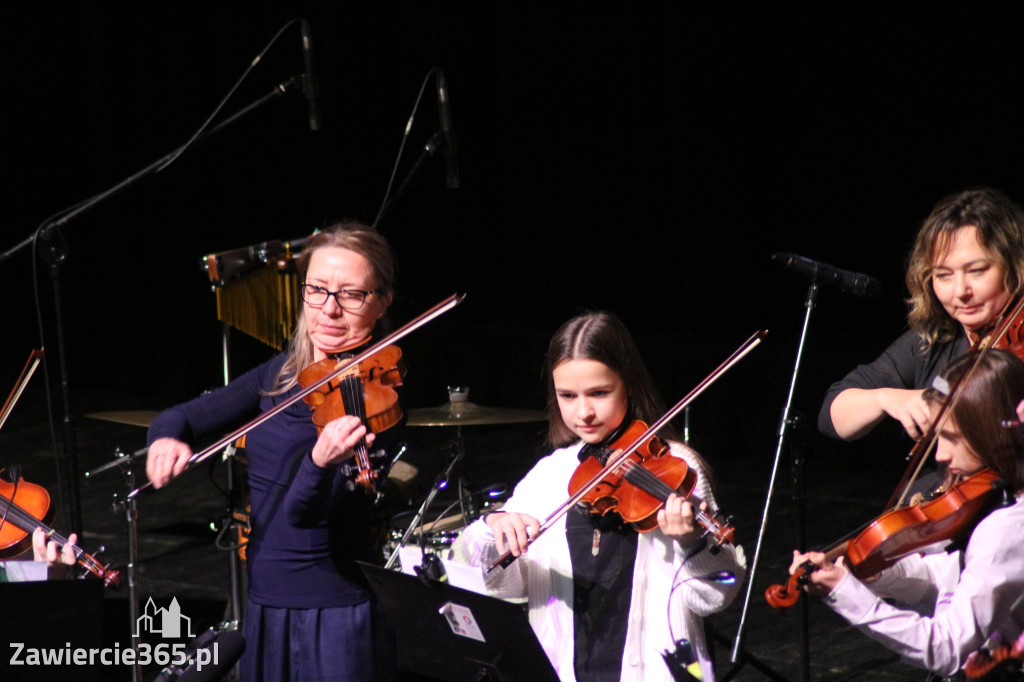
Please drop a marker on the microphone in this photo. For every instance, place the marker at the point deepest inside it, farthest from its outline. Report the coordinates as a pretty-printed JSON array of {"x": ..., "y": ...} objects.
[
  {"x": 821, "y": 273},
  {"x": 444, "y": 111},
  {"x": 309, "y": 86}
]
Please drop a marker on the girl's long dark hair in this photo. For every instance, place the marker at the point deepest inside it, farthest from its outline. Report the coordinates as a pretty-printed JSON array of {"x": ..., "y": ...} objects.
[
  {"x": 601, "y": 336},
  {"x": 993, "y": 390}
]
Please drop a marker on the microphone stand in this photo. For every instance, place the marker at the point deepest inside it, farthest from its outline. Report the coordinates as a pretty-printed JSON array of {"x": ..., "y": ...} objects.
[
  {"x": 739, "y": 657},
  {"x": 129, "y": 507},
  {"x": 53, "y": 249},
  {"x": 435, "y": 142}
]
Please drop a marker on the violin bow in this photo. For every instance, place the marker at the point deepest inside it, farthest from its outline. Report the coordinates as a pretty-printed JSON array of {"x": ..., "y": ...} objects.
[
  {"x": 923, "y": 448},
  {"x": 400, "y": 333},
  {"x": 31, "y": 365},
  {"x": 623, "y": 455}
]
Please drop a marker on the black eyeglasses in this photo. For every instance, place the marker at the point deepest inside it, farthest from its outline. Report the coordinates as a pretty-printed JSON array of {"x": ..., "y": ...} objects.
[{"x": 349, "y": 299}]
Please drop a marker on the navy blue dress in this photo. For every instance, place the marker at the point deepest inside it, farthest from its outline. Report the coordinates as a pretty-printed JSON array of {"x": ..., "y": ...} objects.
[{"x": 309, "y": 614}]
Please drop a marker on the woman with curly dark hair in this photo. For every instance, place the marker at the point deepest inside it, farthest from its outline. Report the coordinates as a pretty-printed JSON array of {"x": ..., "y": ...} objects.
[{"x": 966, "y": 266}]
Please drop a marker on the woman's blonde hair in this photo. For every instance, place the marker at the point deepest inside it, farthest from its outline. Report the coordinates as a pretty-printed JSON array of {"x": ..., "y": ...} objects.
[
  {"x": 1000, "y": 226},
  {"x": 348, "y": 235}
]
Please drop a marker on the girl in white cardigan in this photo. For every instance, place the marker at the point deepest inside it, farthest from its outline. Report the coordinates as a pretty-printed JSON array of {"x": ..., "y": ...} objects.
[{"x": 604, "y": 600}]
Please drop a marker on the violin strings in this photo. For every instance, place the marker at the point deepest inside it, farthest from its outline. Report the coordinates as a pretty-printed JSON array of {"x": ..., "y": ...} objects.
[
  {"x": 28, "y": 523},
  {"x": 11, "y": 503},
  {"x": 352, "y": 398},
  {"x": 651, "y": 484}
]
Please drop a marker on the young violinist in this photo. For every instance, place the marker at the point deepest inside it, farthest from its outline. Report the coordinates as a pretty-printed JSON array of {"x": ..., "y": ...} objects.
[
  {"x": 968, "y": 594},
  {"x": 966, "y": 266},
  {"x": 604, "y": 600},
  {"x": 309, "y": 614}
]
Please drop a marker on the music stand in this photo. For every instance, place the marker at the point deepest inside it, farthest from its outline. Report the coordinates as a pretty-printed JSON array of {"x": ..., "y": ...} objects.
[
  {"x": 421, "y": 613},
  {"x": 57, "y": 617}
]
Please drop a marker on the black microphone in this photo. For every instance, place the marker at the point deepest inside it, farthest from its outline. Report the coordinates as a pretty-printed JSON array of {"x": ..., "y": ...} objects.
[
  {"x": 451, "y": 165},
  {"x": 821, "y": 273},
  {"x": 309, "y": 86}
]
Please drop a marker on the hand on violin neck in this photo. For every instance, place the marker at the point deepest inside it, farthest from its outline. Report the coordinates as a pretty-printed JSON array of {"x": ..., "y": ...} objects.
[
  {"x": 676, "y": 521},
  {"x": 825, "y": 575},
  {"x": 338, "y": 439},
  {"x": 166, "y": 459},
  {"x": 44, "y": 550},
  {"x": 512, "y": 531}
]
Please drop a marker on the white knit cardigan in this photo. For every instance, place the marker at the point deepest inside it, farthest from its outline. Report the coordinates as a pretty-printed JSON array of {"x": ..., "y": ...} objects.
[{"x": 544, "y": 576}]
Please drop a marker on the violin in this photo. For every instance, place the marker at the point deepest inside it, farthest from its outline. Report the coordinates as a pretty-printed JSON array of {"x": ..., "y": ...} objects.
[
  {"x": 20, "y": 521},
  {"x": 365, "y": 390},
  {"x": 430, "y": 315},
  {"x": 903, "y": 530},
  {"x": 619, "y": 463},
  {"x": 638, "y": 488},
  {"x": 1006, "y": 334},
  {"x": 948, "y": 517}
]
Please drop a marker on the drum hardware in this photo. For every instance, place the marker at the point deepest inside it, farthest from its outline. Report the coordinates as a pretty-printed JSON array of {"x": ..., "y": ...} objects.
[
  {"x": 438, "y": 536},
  {"x": 130, "y": 417},
  {"x": 440, "y": 482},
  {"x": 458, "y": 411},
  {"x": 128, "y": 506},
  {"x": 200, "y": 663}
]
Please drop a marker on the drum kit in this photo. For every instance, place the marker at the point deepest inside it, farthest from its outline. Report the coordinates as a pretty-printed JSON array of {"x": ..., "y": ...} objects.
[{"x": 408, "y": 527}]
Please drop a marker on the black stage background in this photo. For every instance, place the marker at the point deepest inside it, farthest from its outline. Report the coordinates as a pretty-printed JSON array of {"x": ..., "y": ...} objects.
[{"x": 646, "y": 158}]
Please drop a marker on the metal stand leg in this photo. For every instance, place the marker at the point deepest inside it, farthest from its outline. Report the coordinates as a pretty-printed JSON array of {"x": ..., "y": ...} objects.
[
  {"x": 131, "y": 512},
  {"x": 440, "y": 482},
  {"x": 235, "y": 608},
  {"x": 739, "y": 658}
]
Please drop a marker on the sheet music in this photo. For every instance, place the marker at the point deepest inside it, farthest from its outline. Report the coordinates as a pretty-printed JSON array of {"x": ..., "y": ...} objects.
[{"x": 459, "y": 575}]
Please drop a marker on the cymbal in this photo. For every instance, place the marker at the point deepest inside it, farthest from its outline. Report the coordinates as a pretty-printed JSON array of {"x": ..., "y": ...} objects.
[
  {"x": 452, "y": 522},
  {"x": 132, "y": 417},
  {"x": 465, "y": 413}
]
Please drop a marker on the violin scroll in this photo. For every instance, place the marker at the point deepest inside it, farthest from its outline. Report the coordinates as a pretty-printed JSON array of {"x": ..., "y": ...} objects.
[{"x": 784, "y": 596}]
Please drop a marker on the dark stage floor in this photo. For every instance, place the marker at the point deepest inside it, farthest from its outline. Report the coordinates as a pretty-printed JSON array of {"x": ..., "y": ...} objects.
[{"x": 179, "y": 557}]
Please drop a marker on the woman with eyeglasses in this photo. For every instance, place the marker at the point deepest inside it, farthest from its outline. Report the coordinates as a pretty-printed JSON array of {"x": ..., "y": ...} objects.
[{"x": 309, "y": 614}]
